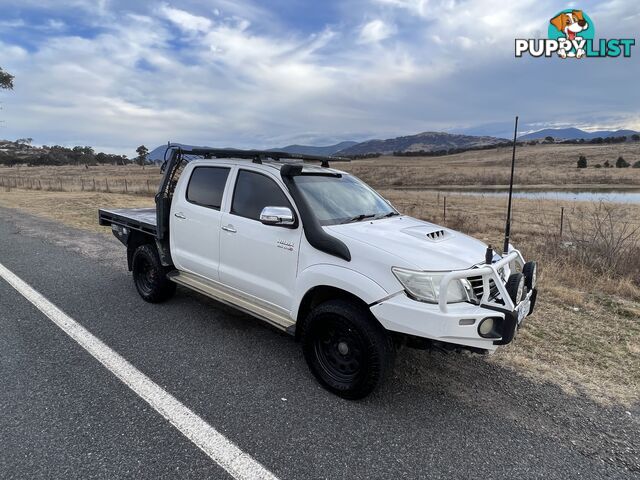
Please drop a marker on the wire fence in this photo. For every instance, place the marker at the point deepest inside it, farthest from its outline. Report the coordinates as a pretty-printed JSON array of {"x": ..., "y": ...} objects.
[
  {"x": 93, "y": 184},
  {"x": 553, "y": 220},
  {"x": 446, "y": 209}
]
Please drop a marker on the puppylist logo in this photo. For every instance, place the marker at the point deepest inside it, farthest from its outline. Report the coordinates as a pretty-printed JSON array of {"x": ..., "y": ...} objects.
[{"x": 571, "y": 35}]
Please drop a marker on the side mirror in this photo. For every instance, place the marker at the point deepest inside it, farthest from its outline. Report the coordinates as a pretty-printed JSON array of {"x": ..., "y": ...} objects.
[{"x": 277, "y": 216}]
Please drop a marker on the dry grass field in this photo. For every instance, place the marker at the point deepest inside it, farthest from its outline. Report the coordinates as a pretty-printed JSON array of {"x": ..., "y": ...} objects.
[
  {"x": 585, "y": 335},
  {"x": 538, "y": 166},
  {"x": 131, "y": 179}
]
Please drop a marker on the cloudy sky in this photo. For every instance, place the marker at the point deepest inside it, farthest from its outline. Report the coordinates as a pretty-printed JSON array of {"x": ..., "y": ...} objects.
[{"x": 116, "y": 73}]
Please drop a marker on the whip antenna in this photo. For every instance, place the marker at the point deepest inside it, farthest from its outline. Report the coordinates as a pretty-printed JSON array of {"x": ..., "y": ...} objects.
[{"x": 507, "y": 230}]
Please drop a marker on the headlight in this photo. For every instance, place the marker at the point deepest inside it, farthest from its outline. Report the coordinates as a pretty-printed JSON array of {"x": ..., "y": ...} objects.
[{"x": 425, "y": 286}]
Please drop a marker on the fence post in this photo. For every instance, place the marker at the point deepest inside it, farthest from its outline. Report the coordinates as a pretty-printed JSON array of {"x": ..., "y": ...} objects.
[
  {"x": 444, "y": 211},
  {"x": 126, "y": 190},
  {"x": 60, "y": 180},
  {"x": 147, "y": 186},
  {"x": 561, "y": 221},
  {"x": 82, "y": 185},
  {"x": 94, "y": 184},
  {"x": 106, "y": 182}
]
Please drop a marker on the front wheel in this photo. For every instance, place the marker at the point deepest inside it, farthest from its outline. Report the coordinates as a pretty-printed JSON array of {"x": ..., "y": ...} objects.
[
  {"x": 150, "y": 276},
  {"x": 347, "y": 350}
]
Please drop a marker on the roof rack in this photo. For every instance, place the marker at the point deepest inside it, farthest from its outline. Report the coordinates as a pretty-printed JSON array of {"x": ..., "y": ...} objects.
[{"x": 257, "y": 156}]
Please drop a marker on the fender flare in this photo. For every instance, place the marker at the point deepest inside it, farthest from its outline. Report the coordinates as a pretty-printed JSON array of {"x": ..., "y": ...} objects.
[{"x": 339, "y": 277}]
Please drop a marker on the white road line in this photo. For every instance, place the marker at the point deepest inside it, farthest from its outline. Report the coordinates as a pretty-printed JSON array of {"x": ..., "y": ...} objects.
[{"x": 219, "y": 448}]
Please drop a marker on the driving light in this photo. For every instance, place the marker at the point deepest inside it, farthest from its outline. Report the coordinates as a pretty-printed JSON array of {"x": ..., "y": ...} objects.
[
  {"x": 485, "y": 327},
  {"x": 425, "y": 286},
  {"x": 490, "y": 327}
]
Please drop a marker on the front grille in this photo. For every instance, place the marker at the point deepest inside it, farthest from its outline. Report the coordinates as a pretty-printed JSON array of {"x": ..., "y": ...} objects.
[{"x": 478, "y": 290}]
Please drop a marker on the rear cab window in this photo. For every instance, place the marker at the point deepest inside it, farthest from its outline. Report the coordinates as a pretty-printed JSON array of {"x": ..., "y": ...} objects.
[
  {"x": 253, "y": 192},
  {"x": 206, "y": 186}
]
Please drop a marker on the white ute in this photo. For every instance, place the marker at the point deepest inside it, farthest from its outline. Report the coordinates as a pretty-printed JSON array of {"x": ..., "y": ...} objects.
[{"x": 316, "y": 252}]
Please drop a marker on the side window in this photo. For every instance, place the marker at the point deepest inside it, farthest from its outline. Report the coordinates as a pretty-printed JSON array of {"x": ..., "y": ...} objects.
[
  {"x": 206, "y": 186},
  {"x": 255, "y": 191}
]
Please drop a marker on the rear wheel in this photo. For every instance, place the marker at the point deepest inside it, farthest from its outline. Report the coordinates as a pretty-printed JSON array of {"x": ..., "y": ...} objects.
[
  {"x": 150, "y": 277},
  {"x": 347, "y": 350}
]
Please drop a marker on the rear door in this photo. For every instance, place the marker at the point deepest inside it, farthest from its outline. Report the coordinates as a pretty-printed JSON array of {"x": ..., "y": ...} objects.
[
  {"x": 195, "y": 221},
  {"x": 257, "y": 259}
]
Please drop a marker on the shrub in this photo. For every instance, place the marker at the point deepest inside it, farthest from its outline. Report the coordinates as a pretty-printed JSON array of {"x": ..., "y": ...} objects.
[
  {"x": 606, "y": 164},
  {"x": 597, "y": 165},
  {"x": 605, "y": 239},
  {"x": 636, "y": 165},
  {"x": 582, "y": 162},
  {"x": 622, "y": 163}
]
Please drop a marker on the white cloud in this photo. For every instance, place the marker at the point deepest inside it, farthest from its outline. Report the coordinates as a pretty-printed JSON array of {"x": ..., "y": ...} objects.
[
  {"x": 244, "y": 77},
  {"x": 418, "y": 7},
  {"x": 375, "y": 31},
  {"x": 185, "y": 20},
  {"x": 13, "y": 23}
]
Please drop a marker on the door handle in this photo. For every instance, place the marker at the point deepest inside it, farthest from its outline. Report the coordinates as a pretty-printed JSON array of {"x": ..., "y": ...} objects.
[
  {"x": 179, "y": 215},
  {"x": 229, "y": 228}
]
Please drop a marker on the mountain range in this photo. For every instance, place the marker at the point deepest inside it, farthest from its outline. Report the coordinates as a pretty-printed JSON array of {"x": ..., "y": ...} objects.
[
  {"x": 310, "y": 150},
  {"x": 575, "y": 133},
  {"x": 425, "y": 141}
]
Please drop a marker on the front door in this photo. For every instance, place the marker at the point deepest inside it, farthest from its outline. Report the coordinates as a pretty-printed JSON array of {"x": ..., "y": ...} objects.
[
  {"x": 195, "y": 222},
  {"x": 257, "y": 259}
]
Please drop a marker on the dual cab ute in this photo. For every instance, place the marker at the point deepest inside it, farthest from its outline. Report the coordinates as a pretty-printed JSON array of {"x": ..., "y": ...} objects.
[{"x": 317, "y": 253}]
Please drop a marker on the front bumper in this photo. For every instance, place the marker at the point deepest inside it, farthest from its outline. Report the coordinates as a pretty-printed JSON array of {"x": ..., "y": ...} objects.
[{"x": 458, "y": 323}]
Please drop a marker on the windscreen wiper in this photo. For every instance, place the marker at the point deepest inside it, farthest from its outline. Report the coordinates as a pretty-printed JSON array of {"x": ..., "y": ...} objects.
[{"x": 360, "y": 217}]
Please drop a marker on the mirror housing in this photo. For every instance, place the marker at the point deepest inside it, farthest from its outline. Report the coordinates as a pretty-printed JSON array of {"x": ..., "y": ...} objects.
[{"x": 282, "y": 216}]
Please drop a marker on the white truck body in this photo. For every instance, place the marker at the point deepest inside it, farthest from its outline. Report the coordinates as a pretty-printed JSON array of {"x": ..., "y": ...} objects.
[{"x": 269, "y": 270}]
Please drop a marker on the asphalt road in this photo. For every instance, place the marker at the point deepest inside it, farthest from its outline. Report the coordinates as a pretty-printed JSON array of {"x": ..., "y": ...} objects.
[{"x": 64, "y": 415}]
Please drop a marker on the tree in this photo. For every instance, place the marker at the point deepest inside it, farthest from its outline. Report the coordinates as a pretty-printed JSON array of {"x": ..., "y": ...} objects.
[
  {"x": 606, "y": 164},
  {"x": 621, "y": 163},
  {"x": 636, "y": 165},
  {"x": 635, "y": 137},
  {"x": 582, "y": 162},
  {"x": 6, "y": 80},
  {"x": 142, "y": 152},
  {"x": 549, "y": 139}
]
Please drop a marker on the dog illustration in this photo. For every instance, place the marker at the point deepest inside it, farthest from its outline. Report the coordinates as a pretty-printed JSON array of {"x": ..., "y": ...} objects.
[{"x": 570, "y": 24}]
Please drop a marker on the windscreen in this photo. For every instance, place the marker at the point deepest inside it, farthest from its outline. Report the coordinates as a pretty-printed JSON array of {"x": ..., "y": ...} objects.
[{"x": 342, "y": 199}]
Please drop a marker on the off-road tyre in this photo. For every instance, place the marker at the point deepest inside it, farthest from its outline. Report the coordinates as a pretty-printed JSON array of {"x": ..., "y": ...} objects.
[
  {"x": 347, "y": 350},
  {"x": 527, "y": 271},
  {"x": 513, "y": 284},
  {"x": 150, "y": 276}
]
